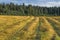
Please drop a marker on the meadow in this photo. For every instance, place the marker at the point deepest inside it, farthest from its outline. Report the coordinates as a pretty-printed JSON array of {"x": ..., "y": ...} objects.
[{"x": 29, "y": 28}]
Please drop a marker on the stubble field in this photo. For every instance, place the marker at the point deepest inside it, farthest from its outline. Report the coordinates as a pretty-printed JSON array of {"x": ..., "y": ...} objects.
[{"x": 29, "y": 28}]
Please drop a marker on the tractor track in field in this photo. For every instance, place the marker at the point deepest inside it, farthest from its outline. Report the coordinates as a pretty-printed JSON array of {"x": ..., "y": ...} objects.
[
  {"x": 23, "y": 30},
  {"x": 11, "y": 26},
  {"x": 8, "y": 30},
  {"x": 55, "y": 26},
  {"x": 37, "y": 33},
  {"x": 55, "y": 21},
  {"x": 46, "y": 29},
  {"x": 31, "y": 28},
  {"x": 32, "y": 31},
  {"x": 20, "y": 28}
]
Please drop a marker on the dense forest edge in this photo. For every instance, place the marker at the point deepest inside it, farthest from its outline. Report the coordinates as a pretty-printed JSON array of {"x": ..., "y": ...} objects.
[{"x": 28, "y": 10}]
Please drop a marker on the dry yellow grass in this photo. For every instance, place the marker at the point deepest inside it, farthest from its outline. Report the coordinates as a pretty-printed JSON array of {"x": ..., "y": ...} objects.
[
  {"x": 49, "y": 29},
  {"x": 29, "y": 32},
  {"x": 55, "y": 21},
  {"x": 27, "y": 28},
  {"x": 9, "y": 31}
]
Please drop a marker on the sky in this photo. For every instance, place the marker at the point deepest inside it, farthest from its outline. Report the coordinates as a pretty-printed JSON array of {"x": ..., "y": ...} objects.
[{"x": 45, "y": 3}]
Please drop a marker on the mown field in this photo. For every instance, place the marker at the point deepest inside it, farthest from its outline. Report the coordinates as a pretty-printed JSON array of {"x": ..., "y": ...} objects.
[{"x": 29, "y": 28}]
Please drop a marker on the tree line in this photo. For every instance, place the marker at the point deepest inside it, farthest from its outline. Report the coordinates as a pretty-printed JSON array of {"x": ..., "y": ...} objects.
[{"x": 28, "y": 10}]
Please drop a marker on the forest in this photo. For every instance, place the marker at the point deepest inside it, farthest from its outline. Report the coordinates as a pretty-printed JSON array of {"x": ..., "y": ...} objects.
[{"x": 28, "y": 10}]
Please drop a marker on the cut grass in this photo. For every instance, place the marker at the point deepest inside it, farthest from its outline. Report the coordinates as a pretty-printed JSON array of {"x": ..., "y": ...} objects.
[
  {"x": 25, "y": 34},
  {"x": 29, "y": 28},
  {"x": 46, "y": 30},
  {"x": 9, "y": 31},
  {"x": 56, "y": 28}
]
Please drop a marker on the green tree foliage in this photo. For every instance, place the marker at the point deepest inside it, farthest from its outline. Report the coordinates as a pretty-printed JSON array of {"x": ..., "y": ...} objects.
[{"x": 24, "y": 10}]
